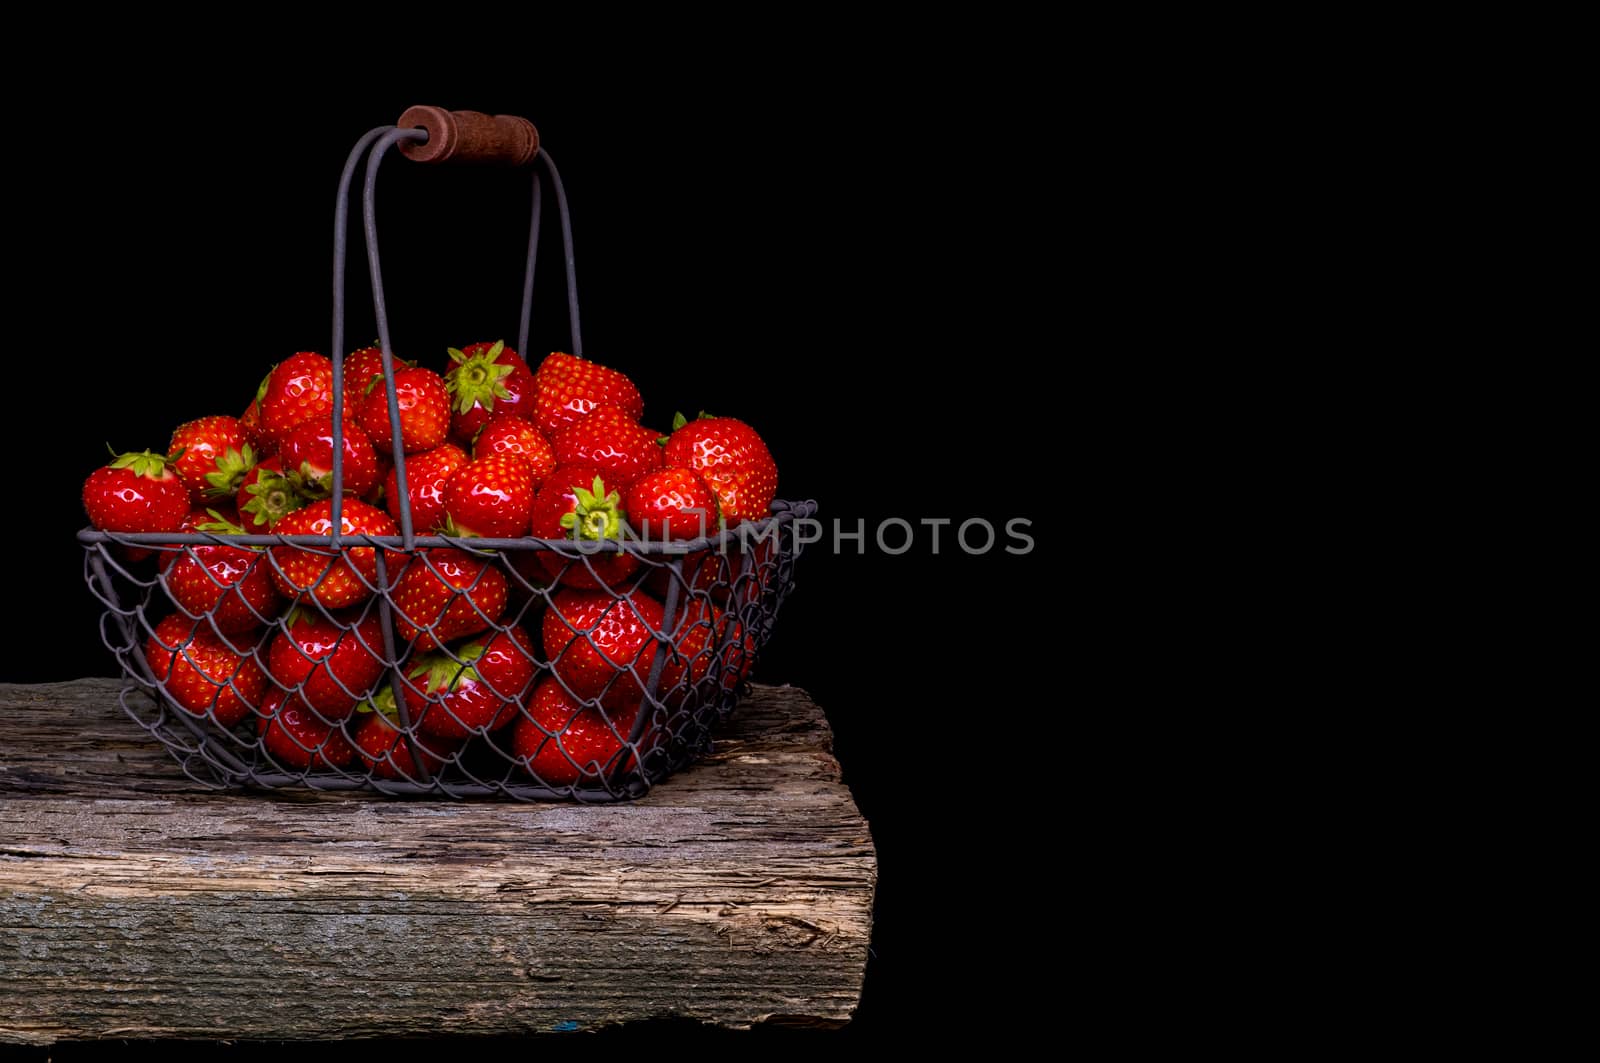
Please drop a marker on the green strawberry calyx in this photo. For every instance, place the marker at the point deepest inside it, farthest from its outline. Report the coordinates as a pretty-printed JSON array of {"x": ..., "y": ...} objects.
[
  {"x": 382, "y": 702},
  {"x": 272, "y": 497},
  {"x": 309, "y": 483},
  {"x": 219, "y": 525},
  {"x": 232, "y": 467},
  {"x": 444, "y": 673},
  {"x": 596, "y": 513},
  {"x": 451, "y": 528},
  {"x": 144, "y": 463},
  {"x": 377, "y": 378},
  {"x": 679, "y": 420},
  {"x": 261, "y": 389},
  {"x": 477, "y": 379}
]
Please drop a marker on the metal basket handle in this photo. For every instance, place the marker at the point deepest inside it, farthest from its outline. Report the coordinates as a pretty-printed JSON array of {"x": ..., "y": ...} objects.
[{"x": 434, "y": 135}]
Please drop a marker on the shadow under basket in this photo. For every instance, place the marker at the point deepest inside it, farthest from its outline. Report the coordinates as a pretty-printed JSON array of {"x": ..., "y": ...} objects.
[{"x": 559, "y": 672}]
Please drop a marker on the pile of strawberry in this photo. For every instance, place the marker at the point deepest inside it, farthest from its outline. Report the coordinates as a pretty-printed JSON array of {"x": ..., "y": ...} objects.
[{"x": 541, "y": 656}]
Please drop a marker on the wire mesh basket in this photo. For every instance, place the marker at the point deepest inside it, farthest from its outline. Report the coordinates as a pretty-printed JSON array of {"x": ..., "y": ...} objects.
[{"x": 528, "y": 668}]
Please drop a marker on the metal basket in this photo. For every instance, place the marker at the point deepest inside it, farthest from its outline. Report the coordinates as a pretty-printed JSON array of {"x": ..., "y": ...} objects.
[{"x": 661, "y": 633}]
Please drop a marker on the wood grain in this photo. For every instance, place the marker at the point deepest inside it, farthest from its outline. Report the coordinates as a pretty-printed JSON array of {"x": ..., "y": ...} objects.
[{"x": 135, "y": 903}]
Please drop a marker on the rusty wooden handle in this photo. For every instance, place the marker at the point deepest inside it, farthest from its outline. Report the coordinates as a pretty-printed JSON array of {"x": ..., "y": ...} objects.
[{"x": 469, "y": 136}]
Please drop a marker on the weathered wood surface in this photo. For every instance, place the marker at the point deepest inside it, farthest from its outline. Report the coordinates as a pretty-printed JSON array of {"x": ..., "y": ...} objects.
[{"x": 136, "y": 904}]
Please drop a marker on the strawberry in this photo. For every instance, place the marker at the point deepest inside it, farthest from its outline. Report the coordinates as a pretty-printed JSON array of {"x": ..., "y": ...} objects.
[
  {"x": 299, "y": 388},
  {"x": 382, "y": 744},
  {"x": 673, "y": 504},
  {"x": 575, "y": 504},
  {"x": 361, "y": 367},
  {"x": 266, "y": 496},
  {"x": 306, "y": 454},
  {"x": 424, "y": 410},
  {"x": 136, "y": 493},
  {"x": 491, "y": 497},
  {"x": 293, "y": 734},
  {"x": 426, "y": 475},
  {"x": 593, "y": 639},
  {"x": 250, "y": 425},
  {"x": 334, "y": 662},
  {"x": 445, "y": 594},
  {"x": 610, "y": 439},
  {"x": 202, "y": 672},
  {"x": 731, "y": 457},
  {"x": 560, "y": 741},
  {"x": 568, "y": 388},
  {"x": 479, "y": 694},
  {"x": 487, "y": 379},
  {"x": 505, "y": 434},
  {"x": 206, "y": 448},
  {"x": 231, "y": 584},
  {"x": 334, "y": 582}
]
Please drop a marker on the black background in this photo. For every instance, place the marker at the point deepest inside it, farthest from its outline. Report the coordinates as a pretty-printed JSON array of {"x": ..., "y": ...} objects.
[{"x": 860, "y": 256}]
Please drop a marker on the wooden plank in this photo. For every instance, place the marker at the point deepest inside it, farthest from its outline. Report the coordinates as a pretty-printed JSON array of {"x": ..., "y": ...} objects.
[{"x": 135, "y": 903}]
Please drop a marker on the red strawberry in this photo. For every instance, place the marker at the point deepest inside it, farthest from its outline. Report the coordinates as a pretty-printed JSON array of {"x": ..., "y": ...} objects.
[
  {"x": 208, "y": 674},
  {"x": 266, "y": 496},
  {"x": 424, "y": 411},
  {"x": 445, "y": 594},
  {"x": 206, "y": 448},
  {"x": 505, "y": 434},
  {"x": 426, "y": 475},
  {"x": 560, "y": 741},
  {"x": 306, "y": 454},
  {"x": 491, "y": 497},
  {"x": 569, "y": 388},
  {"x": 250, "y": 425},
  {"x": 477, "y": 695},
  {"x": 361, "y": 367},
  {"x": 672, "y": 504},
  {"x": 383, "y": 747},
  {"x": 299, "y": 388},
  {"x": 593, "y": 639},
  {"x": 732, "y": 459},
  {"x": 231, "y": 584},
  {"x": 487, "y": 379},
  {"x": 335, "y": 662},
  {"x": 136, "y": 493},
  {"x": 294, "y": 735},
  {"x": 610, "y": 439},
  {"x": 576, "y": 504},
  {"x": 335, "y": 582}
]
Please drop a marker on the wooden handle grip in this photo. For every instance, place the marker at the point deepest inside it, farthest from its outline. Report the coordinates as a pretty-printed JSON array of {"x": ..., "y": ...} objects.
[{"x": 469, "y": 136}]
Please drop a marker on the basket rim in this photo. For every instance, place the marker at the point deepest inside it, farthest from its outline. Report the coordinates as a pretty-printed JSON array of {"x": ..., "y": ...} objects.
[{"x": 743, "y": 534}]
